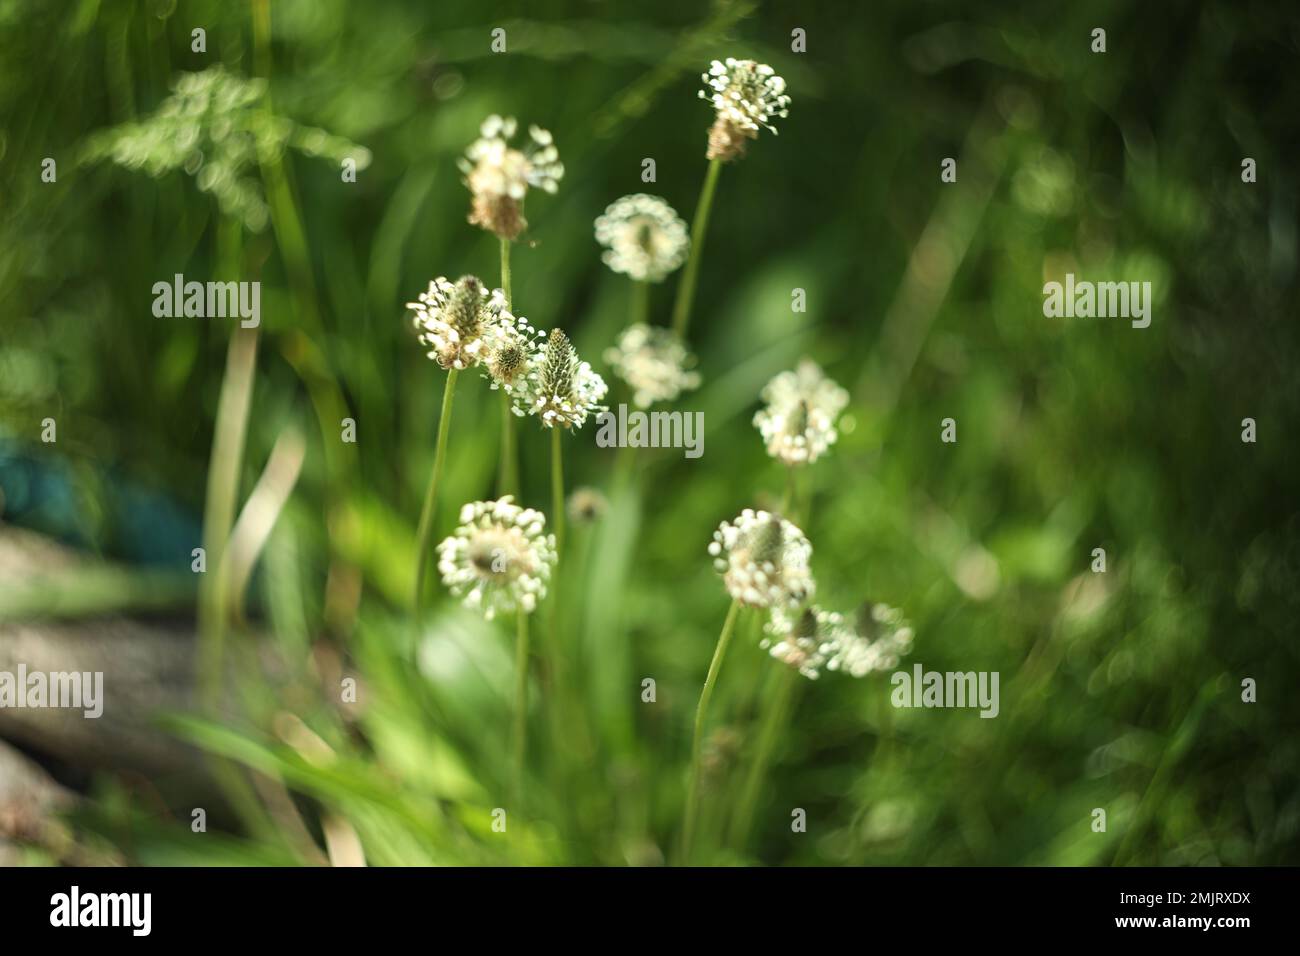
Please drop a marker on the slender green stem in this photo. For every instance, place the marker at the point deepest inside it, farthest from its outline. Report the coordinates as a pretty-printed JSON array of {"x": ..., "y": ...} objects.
[
  {"x": 520, "y": 736},
  {"x": 425, "y": 532},
  {"x": 557, "y": 490},
  {"x": 555, "y": 648},
  {"x": 508, "y": 473},
  {"x": 686, "y": 289},
  {"x": 568, "y": 732},
  {"x": 640, "y": 307},
  {"x": 787, "y": 502},
  {"x": 505, "y": 271},
  {"x": 774, "y": 721},
  {"x": 697, "y": 743}
]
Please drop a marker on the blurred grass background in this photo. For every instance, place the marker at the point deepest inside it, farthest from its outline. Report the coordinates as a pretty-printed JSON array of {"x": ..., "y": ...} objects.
[{"x": 1119, "y": 691}]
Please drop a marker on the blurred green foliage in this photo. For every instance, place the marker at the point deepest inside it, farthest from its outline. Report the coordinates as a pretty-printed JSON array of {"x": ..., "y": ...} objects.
[{"x": 1119, "y": 691}]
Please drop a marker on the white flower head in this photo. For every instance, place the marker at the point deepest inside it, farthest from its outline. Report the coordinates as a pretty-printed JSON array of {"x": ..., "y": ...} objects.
[
  {"x": 559, "y": 388},
  {"x": 452, "y": 319},
  {"x": 798, "y": 422},
  {"x": 804, "y": 640},
  {"x": 746, "y": 96},
  {"x": 881, "y": 636},
  {"x": 510, "y": 346},
  {"x": 500, "y": 558},
  {"x": 654, "y": 363},
  {"x": 763, "y": 560},
  {"x": 643, "y": 236},
  {"x": 499, "y": 175}
]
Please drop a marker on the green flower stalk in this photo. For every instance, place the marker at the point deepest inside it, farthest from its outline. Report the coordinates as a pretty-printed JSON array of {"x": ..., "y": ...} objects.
[
  {"x": 764, "y": 562},
  {"x": 519, "y": 733},
  {"x": 699, "y": 227},
  {"x": 561, "y": 391},
  {"x": 455, "y": 322},
  {"x": 697, "y": 740},
  {"x": 557, "y": 487},
  {"x": 639, "y": 307},
  {"x": 746, "y": 96},
  {"x": 424, "y": 530},
  {"x": 508, "y": 476}
]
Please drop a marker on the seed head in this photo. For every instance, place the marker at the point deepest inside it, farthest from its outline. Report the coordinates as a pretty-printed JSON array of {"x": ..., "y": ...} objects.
[
  {"x": 763, "y": 560},
  {"x": 881, "y": 636},
  {"x": 499, "y": 559},
  {"x": 559, "y": 388},
  {"x": 499, "y": 176},
  {"x": 798, "y": 423},
  {"x": 804, "y": 640},
  {"x": 745, "y": 95},
  {"x": 511, "y": 342},
  {"x": 453, "y": 318},
  {"x": 644, "y": 238},
  {"x": 654, "y": 363},
  {"x": 587, "y": 505},
  {"x": 817, "y": 640},
  {"x": 559, "y": 364}
]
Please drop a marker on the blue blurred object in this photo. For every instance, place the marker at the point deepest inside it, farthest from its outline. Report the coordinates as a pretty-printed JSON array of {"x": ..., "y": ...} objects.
[{"x": 44, "y": 493}]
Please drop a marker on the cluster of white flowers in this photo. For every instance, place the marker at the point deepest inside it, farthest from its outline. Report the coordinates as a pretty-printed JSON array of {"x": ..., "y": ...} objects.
[
  {"x": 804, "y": 640},
  {"x": 798, "y": 423},
  {"x": 557, "y": 387},
  {"x": 511, "y": 344},
  {"x": 455, "y": 320},
  {"x": 643, "y": 236},
  {"x": 499, "y": 175},
  {"x": 745, "y": 92},
  {"x": 763, "y": 559},
  {"x": 881, "y": 637},
  {"x": 654, "y": 362},
  {"x": 817, "y": 640},
  {"x": 500, "y": 558},
  {"x": 745, "y": 96}
]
